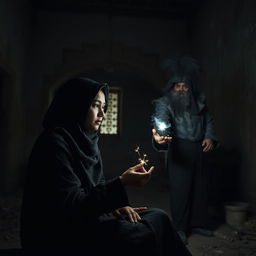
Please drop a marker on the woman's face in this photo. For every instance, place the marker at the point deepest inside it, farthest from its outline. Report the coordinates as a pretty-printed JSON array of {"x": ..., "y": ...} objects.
[{"x": 96, "y": 112}]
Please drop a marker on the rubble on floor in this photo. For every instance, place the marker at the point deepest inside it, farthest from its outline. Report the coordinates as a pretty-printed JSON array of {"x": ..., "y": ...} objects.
[{"x": 227, "y": 240}]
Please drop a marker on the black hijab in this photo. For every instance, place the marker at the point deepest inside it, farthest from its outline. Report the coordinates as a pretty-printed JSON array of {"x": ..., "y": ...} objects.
[
  {"x": 72, "y": 102},
  {"x": 66, "y": 115}
]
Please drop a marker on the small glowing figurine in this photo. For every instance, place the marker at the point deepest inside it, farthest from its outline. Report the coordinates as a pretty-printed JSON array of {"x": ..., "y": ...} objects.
[{"x": 141, "y": 160}]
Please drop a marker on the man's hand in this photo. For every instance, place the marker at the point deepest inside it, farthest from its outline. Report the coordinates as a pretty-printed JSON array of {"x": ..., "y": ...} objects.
[
  {"x": 136, "y": 176},
  {"x": 207, "y": 145},
  {"x": 161, "y": 139},
  {"x": 129, "y": 213}
]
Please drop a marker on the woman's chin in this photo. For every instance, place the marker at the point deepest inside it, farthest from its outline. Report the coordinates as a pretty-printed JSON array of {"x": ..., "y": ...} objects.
[{"x": 93, "y": 129}]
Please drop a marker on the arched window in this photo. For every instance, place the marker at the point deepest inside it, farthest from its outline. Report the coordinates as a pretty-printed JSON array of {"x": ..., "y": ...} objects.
[{"x": 112, "y": 123}]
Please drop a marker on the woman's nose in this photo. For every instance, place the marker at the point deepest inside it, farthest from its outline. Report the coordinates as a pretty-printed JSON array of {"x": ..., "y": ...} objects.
[{"x": 101, "y": 113}]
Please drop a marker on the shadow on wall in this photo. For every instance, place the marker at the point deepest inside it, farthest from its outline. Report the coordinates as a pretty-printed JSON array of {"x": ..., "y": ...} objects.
[{"x": 223, "y": 180}]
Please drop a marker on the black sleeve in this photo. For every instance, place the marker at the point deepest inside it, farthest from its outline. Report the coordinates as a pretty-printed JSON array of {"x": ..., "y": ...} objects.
[
  {"x": 75, "y": 198},
  {"x": 158, "y": 147}
]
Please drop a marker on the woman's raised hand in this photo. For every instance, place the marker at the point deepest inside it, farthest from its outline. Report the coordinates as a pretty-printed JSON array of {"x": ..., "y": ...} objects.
[{"x": 136, "y": 176}]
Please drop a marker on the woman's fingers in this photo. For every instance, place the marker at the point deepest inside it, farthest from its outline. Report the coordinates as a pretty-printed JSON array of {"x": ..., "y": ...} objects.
[
  {"x": 118, "y": 213},
  {"x": 137, "y": 216},
  {"x": 138, "y": 166},
  {"x": 138, "y": 209},
  {"x": 136, "y": 176},
  {"x": 131, "y": 214},
  {"x": 134, "y": 216},
  {"x": 151, "y": 169},
  {"x": 144, "y": 171},
  {"x": 145, "y": 176}
]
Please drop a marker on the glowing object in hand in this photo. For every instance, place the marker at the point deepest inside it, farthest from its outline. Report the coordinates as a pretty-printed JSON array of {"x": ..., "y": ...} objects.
[{"x": 141, "y": 159}]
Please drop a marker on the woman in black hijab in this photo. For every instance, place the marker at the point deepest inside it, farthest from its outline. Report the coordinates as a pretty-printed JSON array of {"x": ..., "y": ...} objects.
[{"x": 68, "y": 205}]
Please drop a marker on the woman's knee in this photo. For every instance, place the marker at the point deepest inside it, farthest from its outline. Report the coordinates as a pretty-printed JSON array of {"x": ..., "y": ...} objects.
[{"x": 157, "y": 212}]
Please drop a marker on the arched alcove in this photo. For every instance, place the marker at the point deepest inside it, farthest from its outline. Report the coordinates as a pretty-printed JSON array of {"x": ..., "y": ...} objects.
[
  {"x": 96, "y": 56},
  {"x": 96, "y": 61}
]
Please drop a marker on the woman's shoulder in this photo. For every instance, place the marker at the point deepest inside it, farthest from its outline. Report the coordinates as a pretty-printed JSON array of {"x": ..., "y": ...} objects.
[
  {"x": 54, "y": 137},
  {"x": 58, "y": 139}
]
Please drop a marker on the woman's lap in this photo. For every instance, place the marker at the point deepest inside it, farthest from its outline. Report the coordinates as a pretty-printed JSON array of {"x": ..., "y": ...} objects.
[{"x": 153, "y": 235}]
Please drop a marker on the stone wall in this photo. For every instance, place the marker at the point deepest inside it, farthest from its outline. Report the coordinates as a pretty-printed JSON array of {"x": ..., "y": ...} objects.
[
  {"x": 223, "y": 36},
  {"x": 14, "y": 33}
]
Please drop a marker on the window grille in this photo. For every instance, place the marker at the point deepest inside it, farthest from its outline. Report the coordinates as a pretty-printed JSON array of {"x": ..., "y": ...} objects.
[{"x": 111, "y": 124}]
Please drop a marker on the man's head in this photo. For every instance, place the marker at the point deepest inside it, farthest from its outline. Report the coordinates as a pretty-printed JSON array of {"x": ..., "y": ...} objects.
[
  {"x": 180, "y": 98},
  {"x": 182, "y": 70},
  {"x": 180, "y": 87}
]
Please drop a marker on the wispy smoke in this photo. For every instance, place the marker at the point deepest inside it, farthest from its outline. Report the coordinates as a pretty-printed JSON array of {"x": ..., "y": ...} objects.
[{"x": 160, "y": 118}]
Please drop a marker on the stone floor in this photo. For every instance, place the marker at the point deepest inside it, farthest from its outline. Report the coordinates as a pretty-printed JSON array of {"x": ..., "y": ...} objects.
[
  {"x": 227, "y": 241},
  {"x": 9, "y": 221}
]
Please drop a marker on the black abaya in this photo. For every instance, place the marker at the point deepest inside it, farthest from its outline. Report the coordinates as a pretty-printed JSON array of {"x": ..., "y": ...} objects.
[{"x": 68, "y": 204}]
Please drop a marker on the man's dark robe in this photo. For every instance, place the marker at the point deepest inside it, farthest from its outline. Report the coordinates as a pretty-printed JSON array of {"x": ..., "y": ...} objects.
[
  {"x": 184, "y": 160},
  {"x": 67, "y": 202}
]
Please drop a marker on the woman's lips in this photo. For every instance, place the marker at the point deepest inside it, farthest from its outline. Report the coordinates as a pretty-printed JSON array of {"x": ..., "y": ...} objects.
[{"x": 98, "y": 122}]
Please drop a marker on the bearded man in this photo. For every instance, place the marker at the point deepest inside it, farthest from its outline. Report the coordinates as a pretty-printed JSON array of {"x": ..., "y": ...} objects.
[{"x": 184, "y": 130}]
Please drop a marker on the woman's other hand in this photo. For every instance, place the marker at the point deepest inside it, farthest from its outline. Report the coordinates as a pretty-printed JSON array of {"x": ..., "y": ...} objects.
[
  {"x": 136, "y": 176},
  {"x": 161, "y": 139},
  {"x": 129, "y": 213}
]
